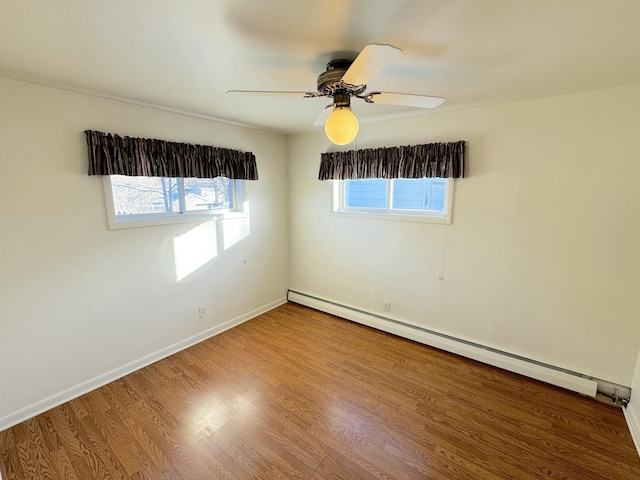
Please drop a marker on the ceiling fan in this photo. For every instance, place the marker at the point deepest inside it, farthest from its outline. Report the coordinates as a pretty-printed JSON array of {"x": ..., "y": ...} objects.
[{"x": 344, "y": 79}]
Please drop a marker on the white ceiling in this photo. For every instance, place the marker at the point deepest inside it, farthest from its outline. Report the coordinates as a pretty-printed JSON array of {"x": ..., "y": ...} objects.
[{"x": 184, "y": 55}]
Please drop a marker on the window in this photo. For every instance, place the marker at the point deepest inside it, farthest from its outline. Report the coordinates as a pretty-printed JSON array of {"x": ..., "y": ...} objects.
[
  {"x": 420, "y": 199},
  {"x": 145, "y": 201}
]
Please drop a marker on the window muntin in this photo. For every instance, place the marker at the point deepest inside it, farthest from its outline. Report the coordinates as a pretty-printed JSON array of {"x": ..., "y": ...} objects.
[{"x": 425, "y": 199}]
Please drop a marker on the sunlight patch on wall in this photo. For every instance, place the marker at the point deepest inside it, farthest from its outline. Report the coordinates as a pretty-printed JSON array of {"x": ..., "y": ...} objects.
[
  {"x": 203, "y": 243},
  {"x": 235, "y": 229},
  {"x": 195, "y": 248}
]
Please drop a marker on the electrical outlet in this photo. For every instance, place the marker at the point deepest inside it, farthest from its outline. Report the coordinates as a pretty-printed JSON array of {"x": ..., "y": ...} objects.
[
  {"x": 202, "y": 311},
  {"x": 387, "y": 306}
]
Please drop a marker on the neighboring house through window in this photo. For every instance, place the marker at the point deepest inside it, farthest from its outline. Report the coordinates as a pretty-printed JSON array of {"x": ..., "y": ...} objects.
[
  {"x": 144, "y": 201},
  {"x": 422, "y": 199}
]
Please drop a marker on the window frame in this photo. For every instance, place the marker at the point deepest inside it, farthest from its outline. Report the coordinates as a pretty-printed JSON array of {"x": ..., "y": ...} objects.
[
  {"x": 389, "y": 213},
  {"x": 170, "y": 218}
]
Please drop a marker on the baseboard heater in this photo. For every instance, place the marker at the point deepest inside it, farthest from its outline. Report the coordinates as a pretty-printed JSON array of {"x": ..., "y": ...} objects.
[{"x": 602, "y": 390}]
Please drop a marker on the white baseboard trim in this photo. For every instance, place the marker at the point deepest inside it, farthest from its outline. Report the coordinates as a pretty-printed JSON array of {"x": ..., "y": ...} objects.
[
  {"x": 48, "y": 403},
  {"x": 529, "y": 368},
  {"x": 632, "y": 416}
]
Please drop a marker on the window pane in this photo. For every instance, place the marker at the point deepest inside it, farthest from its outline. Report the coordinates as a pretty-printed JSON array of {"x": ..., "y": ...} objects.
[
  {"x": 438, "y": 192},
  {"x": 419, "y": 194},
  {"x": 208, "y": 193},
  {"x": 369, "y": 193},
  {"x": 144, "y": 195}
]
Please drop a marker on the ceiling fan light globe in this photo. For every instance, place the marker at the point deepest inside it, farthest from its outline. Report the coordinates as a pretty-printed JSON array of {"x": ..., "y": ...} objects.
[{"x": 341, "y": 126}]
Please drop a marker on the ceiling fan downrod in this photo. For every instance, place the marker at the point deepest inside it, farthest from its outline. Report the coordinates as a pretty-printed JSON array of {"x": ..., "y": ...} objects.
[{"x": 341, "y": 100}]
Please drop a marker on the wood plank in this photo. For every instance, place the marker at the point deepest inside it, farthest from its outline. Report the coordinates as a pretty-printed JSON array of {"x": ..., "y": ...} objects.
[{"x": 299, "y": 394}]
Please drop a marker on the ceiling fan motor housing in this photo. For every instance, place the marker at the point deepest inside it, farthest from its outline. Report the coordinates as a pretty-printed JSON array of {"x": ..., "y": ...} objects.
[{"x": 330, "y": 81}]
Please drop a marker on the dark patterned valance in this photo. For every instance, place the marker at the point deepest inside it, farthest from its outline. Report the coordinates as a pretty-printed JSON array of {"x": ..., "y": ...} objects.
[
  {"x": 443, "y": 160},
  {"x": 114, "y": 155}
]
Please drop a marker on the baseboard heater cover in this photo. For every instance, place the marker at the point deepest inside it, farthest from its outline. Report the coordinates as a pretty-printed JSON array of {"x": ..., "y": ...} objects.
[{"x": 530, "y": 368}]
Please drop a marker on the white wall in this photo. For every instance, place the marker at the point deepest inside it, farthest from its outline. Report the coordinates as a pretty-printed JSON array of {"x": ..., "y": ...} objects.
[
  {"x": 632, "y": 412},
  {"x": 80, "y": 303},
  {"x": 542, "y": 258}
]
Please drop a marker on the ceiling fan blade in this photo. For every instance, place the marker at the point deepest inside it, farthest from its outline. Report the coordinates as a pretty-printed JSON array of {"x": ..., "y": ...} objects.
[
  {"x": 324, "y": 114},
  {"x": 407, "y": 100},
  {"x": 274, "y": 93},
  {"x": 372, "y": 60}
]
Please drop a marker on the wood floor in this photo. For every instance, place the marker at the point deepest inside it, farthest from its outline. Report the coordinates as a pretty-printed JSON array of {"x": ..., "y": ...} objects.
[{"x": 296, "y": 393}]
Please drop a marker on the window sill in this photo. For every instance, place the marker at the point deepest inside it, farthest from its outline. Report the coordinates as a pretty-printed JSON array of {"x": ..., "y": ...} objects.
[
  {"x": 137, "y": 222},
  {"x": 401, "y": 217}
]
